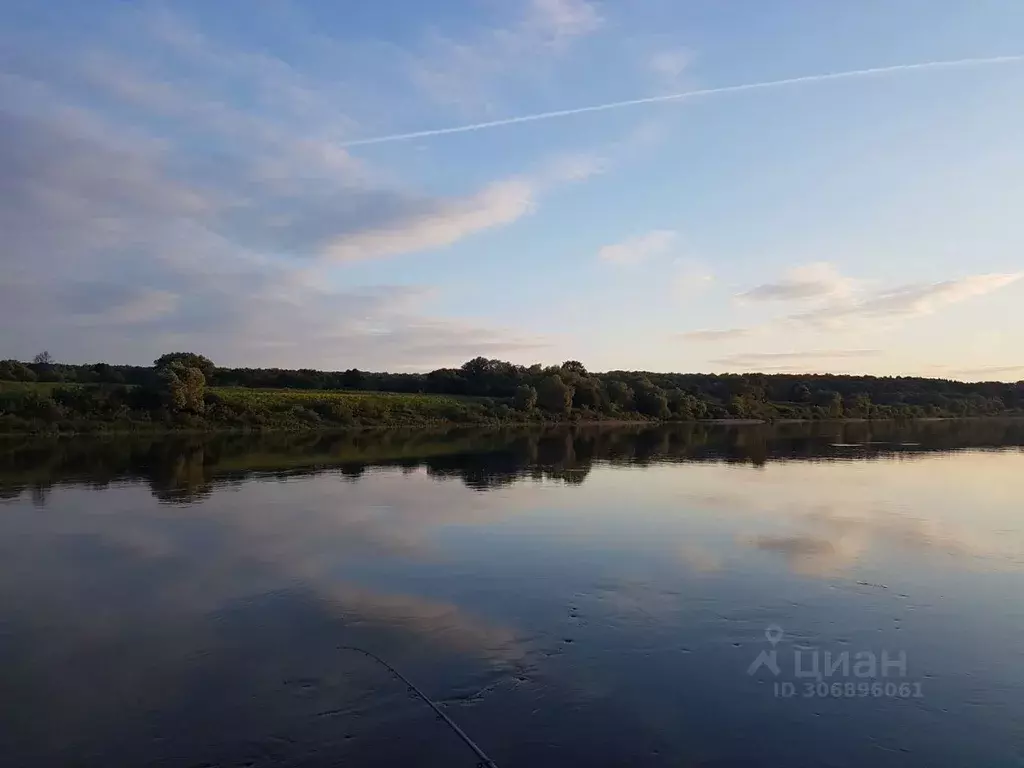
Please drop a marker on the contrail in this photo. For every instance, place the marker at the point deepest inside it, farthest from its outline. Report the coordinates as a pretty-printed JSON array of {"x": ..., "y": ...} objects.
[{"x": 684, "y": 95}]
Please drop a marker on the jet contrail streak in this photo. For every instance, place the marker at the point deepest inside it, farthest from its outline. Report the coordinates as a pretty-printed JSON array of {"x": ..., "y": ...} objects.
[{"x": 679, "y": 96}]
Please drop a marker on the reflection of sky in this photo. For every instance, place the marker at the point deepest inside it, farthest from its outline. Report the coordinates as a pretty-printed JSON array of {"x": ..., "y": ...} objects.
[
  {"x": 962, "y": 506},
  {"x": 586, "y": 596}
]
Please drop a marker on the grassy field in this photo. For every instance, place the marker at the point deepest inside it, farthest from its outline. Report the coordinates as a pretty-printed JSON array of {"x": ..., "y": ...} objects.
[
  {"x": 235, "y": 408},
  {"x": 42, "y": 387},
  {"x": 387, "y": 407},
  {"x": 276, "y": 398},
  {"x": 270, "y": 397},
  {"x": 360, "y": 408}
]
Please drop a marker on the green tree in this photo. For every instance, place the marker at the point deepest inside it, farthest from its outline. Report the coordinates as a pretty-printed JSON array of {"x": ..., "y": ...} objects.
[
  {"x": 183, "y": 387},
  {"x": 684, "y": 406},
  {"x": 353, "y": 378},
  {"x": 36, "y": 405},
  {"x": 14, "y": 370},
  {"x": 857, "y": 406},
  {"x": 105, "y": 373},
  {"x": 187, "y": 359},
  {"x": 739, "y": 407},
  {"x": 45, "y": 368},
  {"x": 478, "y": 367},
  {"x": 620, "y": 394},
  {"x": 555, "y": 395},
  {"x": 831, "y": 402},
  {"x": 526, "y": 398},
  {"x": 588, "y": 394},
  {"x": 801, "y": 393},
  {"x": 650, "y": 400}
]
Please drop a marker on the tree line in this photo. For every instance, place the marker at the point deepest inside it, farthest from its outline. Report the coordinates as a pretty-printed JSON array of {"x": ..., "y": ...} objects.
[{"x": 180, "y": 389}]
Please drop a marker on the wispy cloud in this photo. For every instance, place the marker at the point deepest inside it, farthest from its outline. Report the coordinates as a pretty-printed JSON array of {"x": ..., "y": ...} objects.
[
  {"x": 475, "y": 71},
  {"x": 274, "y": 83},
  {"x": 639, "y": 249},
  {"x": 559, "y": 19},
  {"x": 913, "y": 300},
  {"x": 496, "y": 205},
  {"x": 576, "y": 166},
  {"x": 724, "y": 334},
  {"x": 839, "y": 304},
  {"x": 984, "y": 372},
  {"x": 113, "y": 304},
  {"x": 668, "y": 64},
  {"x": 813, "y": 281},
  {"x": 436, "y": 223},
  {"x": 120, "y": 238},
  {"x": 776, "y": 359}
]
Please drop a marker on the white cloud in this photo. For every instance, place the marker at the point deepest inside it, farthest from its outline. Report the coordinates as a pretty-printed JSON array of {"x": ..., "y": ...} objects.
[
  {"x": 114, "y": 248},
  {"x": 577, "y": 166},
  {"x": 496, "y": 205},
  {"x": 63, "y": 192},
  {"x": 474, "y": 72},
  {"x": 669, "y": 64},
  {"x": 987, "y": 372},
  {"x": 195, "y": 198},
  {"x": 274, "y": 81},
  {"x": 638, "y": 249},
  {"x": 725, "y": 334},
  {"x": 280, "y": 186},
  {"x": 445, "y": 222},
  {"x": 913, "y": 300},
  {"x": 836, "y": 301},
  {"x": 810, "y": 282},
  {"x": 557, "y": 19},
  {"x": 809, "y": 361},
  {"x": 146, "y": 305},
  {"x": 758, "y": 358}
]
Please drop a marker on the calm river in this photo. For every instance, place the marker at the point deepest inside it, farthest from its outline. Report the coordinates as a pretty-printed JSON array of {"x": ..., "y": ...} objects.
[{"x": 800, "y": 595}]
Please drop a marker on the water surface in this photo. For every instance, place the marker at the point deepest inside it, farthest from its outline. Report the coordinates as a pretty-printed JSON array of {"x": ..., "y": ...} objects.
[{"x": 571, "y": 597}]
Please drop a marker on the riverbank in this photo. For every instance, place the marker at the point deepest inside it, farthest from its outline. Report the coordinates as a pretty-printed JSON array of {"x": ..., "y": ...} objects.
[
  {"x": 182, "y": 407},
  {"x": 43, "y": 409},
  {"x": 158, "y": 430}
]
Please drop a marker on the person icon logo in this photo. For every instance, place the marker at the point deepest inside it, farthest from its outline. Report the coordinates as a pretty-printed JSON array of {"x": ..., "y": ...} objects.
[{"x": 770, "y": 659}]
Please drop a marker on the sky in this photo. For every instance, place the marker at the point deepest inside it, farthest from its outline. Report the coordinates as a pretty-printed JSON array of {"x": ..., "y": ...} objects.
[{"x": 405, "y": 185}]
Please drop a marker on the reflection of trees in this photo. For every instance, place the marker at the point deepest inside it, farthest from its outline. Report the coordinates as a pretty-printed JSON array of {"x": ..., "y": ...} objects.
[
  {"x": 186, "y": 469},
  {"x": 480, "y": 472},
  {"x": 179, "y": 472},
  {"x": 554, "y": 454},
  {"x": 747, "y": 445},
  {"x": 353, "y": 471},
  {"x": 40, "y": 495}
]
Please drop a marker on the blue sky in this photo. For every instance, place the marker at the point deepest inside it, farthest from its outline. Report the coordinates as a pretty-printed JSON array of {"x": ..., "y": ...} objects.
[{"x": 194, "y": 175}]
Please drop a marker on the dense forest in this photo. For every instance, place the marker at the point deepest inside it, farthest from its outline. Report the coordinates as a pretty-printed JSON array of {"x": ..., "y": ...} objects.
[{"x": 188, "y": 391}]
